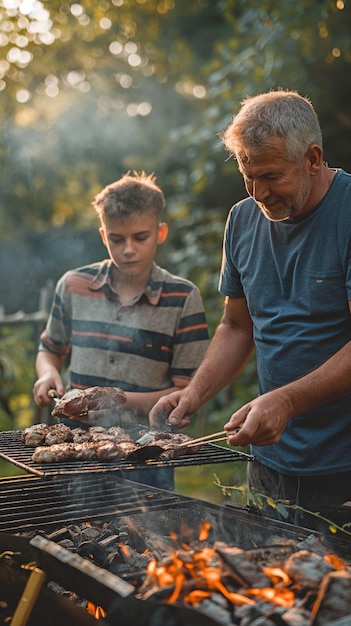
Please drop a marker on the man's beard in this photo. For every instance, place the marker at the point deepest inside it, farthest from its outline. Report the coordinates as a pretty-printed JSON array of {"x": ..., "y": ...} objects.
[{"x": 289, "y": 210}]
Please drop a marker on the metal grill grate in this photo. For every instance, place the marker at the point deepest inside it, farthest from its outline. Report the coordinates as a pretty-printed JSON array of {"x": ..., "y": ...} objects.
[
  {"x": 28, "y": 502},
  {"x": 12, "y": 449}
]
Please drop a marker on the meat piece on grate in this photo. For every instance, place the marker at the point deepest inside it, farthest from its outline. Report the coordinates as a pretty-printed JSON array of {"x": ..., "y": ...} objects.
[
  {"x": 109, "y": 450},
  {"x": 52, "y": 454},
  {"x": 34, "y": 436},
  {"x": 88, "y": 450},
  {"x": 80, "y": 435},
  {"x": 58, "y": 433},
  {"x": 119, "y": 434},
  {"x": 78, "y": 402}
]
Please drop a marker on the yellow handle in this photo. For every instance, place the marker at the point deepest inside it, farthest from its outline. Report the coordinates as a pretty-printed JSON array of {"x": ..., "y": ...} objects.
[{"x": 28, "y": 598}]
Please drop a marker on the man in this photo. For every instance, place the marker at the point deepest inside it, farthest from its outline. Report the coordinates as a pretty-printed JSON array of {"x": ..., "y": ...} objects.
[
  {"x": 286, "y": 278},
  {"x": 125, "y": 321}
]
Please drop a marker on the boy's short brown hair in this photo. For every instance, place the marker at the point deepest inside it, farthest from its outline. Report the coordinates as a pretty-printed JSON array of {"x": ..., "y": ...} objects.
[{"x": 131, "y": 194}]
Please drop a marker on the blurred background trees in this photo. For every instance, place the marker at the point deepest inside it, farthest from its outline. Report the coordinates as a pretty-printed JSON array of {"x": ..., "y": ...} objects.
[{"x": 92, "y": 89}]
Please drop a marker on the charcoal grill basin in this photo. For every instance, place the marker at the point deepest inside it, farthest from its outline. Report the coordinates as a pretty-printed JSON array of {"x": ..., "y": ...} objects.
[{"x": 31, "y": 504}]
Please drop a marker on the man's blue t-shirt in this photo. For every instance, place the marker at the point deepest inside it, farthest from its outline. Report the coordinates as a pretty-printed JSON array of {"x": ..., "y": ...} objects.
[{"x": 296, "y": 278}]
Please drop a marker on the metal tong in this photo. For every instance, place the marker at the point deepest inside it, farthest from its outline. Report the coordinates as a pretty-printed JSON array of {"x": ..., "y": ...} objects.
[{"x": 212, "y": 438}]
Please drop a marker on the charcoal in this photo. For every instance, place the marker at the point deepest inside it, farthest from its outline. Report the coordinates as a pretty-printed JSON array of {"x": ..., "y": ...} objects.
[
  {"x": 93, "y": 549},
  {"x": 88, "y": 533},
  {"x": 68, "y": 544},
  {"x": 313, "y": 544},
  {"x": 220, "y": 614},
  {"x": 272, "y": 555},
  {"x": 307, "y": 569},
  {"x": 297, "y": 617},
  {"x": 241, "y": 563},
  {"x": 334, "y": 599},
  {"x": 109, "y": 540},
  {"x": 136, "y": 541},
  {"x": 59, "y": 534}
]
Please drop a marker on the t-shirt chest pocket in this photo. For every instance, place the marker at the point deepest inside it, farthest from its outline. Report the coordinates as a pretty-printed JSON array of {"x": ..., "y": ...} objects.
[{"x": 326, "y": 291}]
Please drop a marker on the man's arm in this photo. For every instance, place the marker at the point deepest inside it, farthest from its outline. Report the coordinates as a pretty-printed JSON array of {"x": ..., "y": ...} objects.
[
  {"x": 48, "y": 368},
  {"x": 226, "y": 356},
  {"x": 265, "y": 418}
]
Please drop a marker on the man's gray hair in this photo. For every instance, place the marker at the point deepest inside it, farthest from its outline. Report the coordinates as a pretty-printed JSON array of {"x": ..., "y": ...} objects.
[{"x": 278, "y": 113}]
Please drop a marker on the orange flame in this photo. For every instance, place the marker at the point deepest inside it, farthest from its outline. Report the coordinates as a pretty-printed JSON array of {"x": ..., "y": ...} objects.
[
  {"x": 335, "y": 561},
  {"x": 203, "y": 568},
  {"x": 124, "y": 549},
  {"x": 281, "y": 597},
  {"x": 277, "y": 575},
  {"x": 96, "y": 611},
  {"x": 196, "y": 596},
  {"x": 204, "y": 530}
]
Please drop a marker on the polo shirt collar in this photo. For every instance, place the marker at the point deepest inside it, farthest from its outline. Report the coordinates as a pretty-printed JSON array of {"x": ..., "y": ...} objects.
[{"x": 152, "y": 291}]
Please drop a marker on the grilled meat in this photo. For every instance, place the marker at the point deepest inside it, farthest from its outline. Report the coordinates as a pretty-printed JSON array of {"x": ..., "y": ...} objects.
[
  {"x": 43, "y": 434},
  {"x": 108, "y": 450},
  {"x": 80, "y": 435},
  {"x": 34, "y": 436},
  {"x": 58, "y": 443},
  {"x": 51, "y": 454},
  {"x": 78, "y": 402},
  {"x": 88, "y": 450},
  {"x": 58, "y": 433}
]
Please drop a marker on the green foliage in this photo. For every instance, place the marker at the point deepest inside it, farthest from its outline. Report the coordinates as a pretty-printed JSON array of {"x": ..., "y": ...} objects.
[
  {"x": 282, "y": 507},
  {"x": 17, "y": 355}
]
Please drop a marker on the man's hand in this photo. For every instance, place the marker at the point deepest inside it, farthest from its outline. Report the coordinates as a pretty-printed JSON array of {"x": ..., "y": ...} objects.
[
  {"x": 175, "y": 409},
  {"x": 261, "y": 422}
]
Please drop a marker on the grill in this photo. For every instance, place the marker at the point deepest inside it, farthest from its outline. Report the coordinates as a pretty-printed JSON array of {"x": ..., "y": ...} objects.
[
  {"x": 52, "y": 497},
  {"x": 29, "y": 503},
  {"x": 32, "y": 506},
  {"x": 12, "y": 449}
]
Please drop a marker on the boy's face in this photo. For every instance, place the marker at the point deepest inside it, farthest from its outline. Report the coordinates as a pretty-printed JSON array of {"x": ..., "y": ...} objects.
[{"x": 132, "y": 242}]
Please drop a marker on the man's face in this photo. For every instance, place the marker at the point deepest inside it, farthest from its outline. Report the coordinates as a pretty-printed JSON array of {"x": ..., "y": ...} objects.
[
  {"x": 132, "y": 241},
  {"x": 282, "y": 189}
]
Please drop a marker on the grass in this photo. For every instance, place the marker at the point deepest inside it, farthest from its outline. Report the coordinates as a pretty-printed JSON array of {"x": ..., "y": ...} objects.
[{"x": 9, "y": 469}]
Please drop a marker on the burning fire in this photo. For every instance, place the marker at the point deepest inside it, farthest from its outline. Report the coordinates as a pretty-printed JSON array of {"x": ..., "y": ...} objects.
[
  {"x": 96, "y": 611},
  {"x": 124, "y": 548},
  {"x": 202, "y": 569},
  {"x": 194, "y": 575},
  {"x": 204, "y": 530}
]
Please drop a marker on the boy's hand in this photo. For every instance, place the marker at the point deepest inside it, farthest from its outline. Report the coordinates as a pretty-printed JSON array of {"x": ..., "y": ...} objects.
[{"x": 50, "y": 380}]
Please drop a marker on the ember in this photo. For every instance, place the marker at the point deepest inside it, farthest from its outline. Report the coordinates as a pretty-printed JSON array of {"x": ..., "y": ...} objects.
[
  {"x": 97, "y": 611},
  {"x": 122, "y": 548},
  {"x": 284, "y": 582},
  {"x": 198, "y": 577}
]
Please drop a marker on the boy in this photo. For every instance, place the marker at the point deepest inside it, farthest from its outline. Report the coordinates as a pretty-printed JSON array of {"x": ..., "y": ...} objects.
[{"x": 125, "y": 321}]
